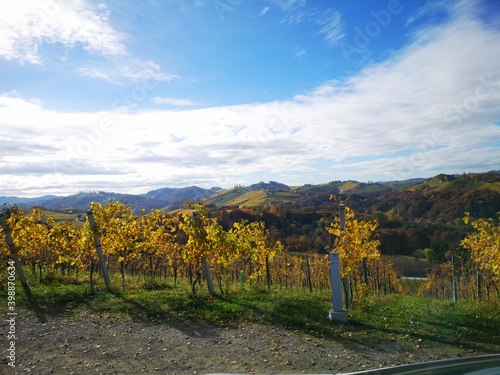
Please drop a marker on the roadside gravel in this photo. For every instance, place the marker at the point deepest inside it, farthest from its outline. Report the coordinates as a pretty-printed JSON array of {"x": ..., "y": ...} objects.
[{"x": 86, "y": 343}]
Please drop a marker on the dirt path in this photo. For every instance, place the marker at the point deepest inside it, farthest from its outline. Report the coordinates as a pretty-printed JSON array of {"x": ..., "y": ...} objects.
[{"x": 90, "y": 344}]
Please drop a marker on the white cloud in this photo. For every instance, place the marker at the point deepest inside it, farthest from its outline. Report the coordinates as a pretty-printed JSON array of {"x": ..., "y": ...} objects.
[
  {"x": 27, "y": 25},
  {"x": 331, "y": 27},
  {"x": 328, "y": 22},
  {"x": 129, "y": 69},
  {"x": 299, "y": 53},
  {"x": 264, "y": 11},
  {"x": 178, "y": 102},
  {"x": 287, "y": 5}
]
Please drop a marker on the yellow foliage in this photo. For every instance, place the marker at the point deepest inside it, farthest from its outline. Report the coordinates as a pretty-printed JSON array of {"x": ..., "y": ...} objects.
[
  {"x": 484, "y": 245},
  {"x": 355, "y": 242}
]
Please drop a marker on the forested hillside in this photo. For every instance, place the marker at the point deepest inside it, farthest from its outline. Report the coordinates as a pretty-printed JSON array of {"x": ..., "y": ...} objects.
[{"x": 412, "y": 216}]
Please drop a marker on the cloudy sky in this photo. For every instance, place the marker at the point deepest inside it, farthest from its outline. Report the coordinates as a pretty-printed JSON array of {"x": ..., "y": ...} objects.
[{"x": 132, "y": 96}]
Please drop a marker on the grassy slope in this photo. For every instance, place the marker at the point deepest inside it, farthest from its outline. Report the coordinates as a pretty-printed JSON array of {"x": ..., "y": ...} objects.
[
  {"x": 250, "y": 198},
  {"x": 59, "y": 216},
  {"x": 438, "y": 185},
  {"x": 348, "y": 185},
  {"x": 495, "y": 186},
  {"x": 225, "y": 197}
]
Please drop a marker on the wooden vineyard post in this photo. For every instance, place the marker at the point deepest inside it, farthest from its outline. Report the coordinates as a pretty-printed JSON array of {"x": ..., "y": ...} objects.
[
  {"x": 13, "y": 251},
  {"x": 208, "y": 275},
  {"x": 365, "y": 271},
  {"x": 309, "y": 282},
  {"x": 454, "y": 280},
  {"x": 478, "y": 285},
  {"x": 98, "y": 247},
  {"x": 268, "y": 273}
]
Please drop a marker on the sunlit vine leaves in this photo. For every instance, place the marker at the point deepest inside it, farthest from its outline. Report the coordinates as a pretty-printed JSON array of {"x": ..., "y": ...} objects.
[
  {"x": 484, "y": 245},
  {"x": 355, "y": 242}
]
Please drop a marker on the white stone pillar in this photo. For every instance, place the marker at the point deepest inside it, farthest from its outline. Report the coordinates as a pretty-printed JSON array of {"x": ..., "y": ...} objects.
[{"x": 337, "y": 312}]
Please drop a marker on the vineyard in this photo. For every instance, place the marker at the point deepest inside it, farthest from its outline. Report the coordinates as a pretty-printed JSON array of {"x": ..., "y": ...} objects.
[
  {"x": 474, "y": 273},
  {"x": 155, "y": 248}
]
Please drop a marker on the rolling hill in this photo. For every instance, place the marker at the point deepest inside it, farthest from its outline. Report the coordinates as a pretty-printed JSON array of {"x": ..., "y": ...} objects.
[
  {"x": 80, "y": 202},
  {"x": 413, "y": 198}
]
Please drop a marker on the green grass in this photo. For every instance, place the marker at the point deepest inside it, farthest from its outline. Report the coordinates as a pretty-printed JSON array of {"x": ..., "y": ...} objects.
[
  {"x": 59, "y": 216},
  {"x": 460, "y": 184},
  {"x": 371, "y": 320},
  {"x": 467, "y": 324}
]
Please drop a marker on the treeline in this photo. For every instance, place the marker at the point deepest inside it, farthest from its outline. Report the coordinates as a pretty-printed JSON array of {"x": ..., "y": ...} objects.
[
  {"x": 410, "y": 221},
  {"x": 306, "y": 231}
]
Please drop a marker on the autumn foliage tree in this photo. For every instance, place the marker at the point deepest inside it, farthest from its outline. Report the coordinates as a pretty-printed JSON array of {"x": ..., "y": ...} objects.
[
  {"x": 355, "y": 243},
  {"x": 476, "y": 270},
  {"x": 155, "y": 241},
  {"x": 64, "y": 241},
  {"x": 195, "y": 224},
  {"x": 31, "y": 238},
  {"x": 244, "y": 242},
  {"x": 484, "y": 245}
]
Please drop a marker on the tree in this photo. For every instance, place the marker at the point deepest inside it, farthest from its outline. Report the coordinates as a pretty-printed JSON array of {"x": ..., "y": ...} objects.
[
  {"x": 155, "y": 239},
  {"x": 253, "y": 245},
  {"x": 31, "y": 236},
  {"x": 484, "y": 245},
  {"x": 63, "y": 239},
  {"x": 355, "y": 243},
  {"x": 429, "y": 254}
]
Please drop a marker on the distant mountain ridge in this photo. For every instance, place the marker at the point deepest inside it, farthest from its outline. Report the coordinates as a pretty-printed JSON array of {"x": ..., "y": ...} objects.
[
  {"x": 166, "y": 198},
  {"x": 174, "y": 196},
  {"x": 269, "y": 186},
  {"x": 17, "y": 200},
  {"x": 258, "y": 194}
]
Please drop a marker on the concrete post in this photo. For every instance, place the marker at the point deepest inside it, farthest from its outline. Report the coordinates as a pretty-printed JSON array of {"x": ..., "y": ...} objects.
[
  {"x": 346, "y": 281},
  {"x": 342, "y": 215},
  {"x": 337, "y": 313}
]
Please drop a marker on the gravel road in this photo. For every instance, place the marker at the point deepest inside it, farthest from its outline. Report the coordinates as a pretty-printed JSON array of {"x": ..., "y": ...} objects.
[{"x": 87, "y": 343}]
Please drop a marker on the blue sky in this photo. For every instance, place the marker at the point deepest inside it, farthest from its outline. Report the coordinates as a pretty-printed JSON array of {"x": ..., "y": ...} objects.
[{"x": 133, "y": 96}]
